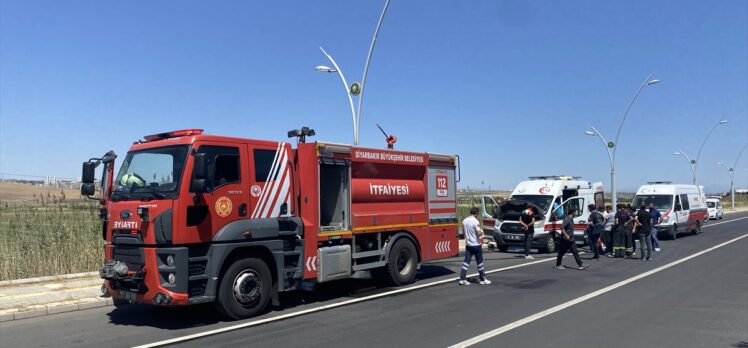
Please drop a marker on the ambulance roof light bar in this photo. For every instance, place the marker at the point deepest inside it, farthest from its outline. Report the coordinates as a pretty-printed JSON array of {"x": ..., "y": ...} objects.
[
  {"x": 659, "y": 182},
  {"x": 555, "y": 177},
  {"x": 173, "y": 134}
]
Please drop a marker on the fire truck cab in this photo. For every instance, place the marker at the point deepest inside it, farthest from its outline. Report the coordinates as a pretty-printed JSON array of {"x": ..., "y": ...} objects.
[
  {"x": 193, "y": 218},
  {"x": 551, "y": 196}
]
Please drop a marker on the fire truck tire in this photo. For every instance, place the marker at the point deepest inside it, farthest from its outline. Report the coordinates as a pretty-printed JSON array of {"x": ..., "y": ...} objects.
[
  {"x": 244, "y": 289},
  {"x": 402, "y": 264}
]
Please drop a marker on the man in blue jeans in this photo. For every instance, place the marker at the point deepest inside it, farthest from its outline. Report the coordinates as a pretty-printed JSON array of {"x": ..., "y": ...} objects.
[
  {"x": 473, "y": 246},
  {"x": 655, "y": 220}
]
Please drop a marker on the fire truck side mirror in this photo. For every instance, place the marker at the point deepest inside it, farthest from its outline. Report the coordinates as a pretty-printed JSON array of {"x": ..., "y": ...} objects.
[
  {"x": 88, "y": 189},
  {"x": 199, "y": 173},
  {"x": 88, "y": 174}
]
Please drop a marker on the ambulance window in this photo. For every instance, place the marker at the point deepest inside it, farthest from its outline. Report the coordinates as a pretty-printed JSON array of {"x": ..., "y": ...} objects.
[
  {"x": 684, "y": 201},
  {"x": 678, "y": 206},
  {"x": 263, "y": 162}
]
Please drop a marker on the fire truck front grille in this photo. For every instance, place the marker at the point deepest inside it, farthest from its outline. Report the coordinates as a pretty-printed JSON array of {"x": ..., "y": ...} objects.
[
  {"x": 197, "y": 288},
  {"x": 132, "y": 256},
  {"x": 197, "y": 268}
]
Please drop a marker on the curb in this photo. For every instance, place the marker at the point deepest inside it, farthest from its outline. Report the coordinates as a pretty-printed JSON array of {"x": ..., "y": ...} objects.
[
  {"x": 47, "y": 279},
  {"x": 51, "y": 309}
]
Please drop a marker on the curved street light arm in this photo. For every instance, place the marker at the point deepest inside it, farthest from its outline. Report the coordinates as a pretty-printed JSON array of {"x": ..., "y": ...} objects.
[
  {"x": 738, "y": 158},
  {"x": 350, "y": 99},
  {"x": 690, "y": 164},
  {"x": 698, "y": 154},
  {"x": 605, "y": 143},
  {"x": 618, "y": 134},
  {"x": 366, "y": 67}
]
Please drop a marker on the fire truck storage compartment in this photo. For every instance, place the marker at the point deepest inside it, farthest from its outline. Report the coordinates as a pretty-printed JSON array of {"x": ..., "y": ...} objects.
[
  {"x": 333, "y": 194},
  {"x": 334, "y": 263}
]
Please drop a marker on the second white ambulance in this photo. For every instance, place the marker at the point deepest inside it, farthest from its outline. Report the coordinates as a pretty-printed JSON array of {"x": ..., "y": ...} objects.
[{"x": 683, "y": 207}]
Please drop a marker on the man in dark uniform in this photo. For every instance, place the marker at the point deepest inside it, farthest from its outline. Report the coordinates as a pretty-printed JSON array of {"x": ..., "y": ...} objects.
[
  {"x": 619, "y": 232},
  {"x": 594, "y": 230},
  {"x": 644, "y": 219},
  {"x": 527, "y": 220},
  {"x": 629, "y": 230},
  {"x": 567, "y": 241}
]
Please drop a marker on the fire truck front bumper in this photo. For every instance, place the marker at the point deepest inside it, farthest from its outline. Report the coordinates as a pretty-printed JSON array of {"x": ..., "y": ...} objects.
[{"x": 146, "y": 275}]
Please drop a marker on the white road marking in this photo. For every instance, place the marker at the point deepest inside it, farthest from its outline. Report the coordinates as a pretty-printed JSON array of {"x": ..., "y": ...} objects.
[
  {"x": 549, "y": 311},
  {"x": 364, "y": 299},
  {"x": 326, "y": 307}
]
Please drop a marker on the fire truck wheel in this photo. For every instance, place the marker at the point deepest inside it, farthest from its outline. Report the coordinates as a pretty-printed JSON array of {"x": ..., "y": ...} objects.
[
  {"x": 403, "y": 261},
  {"x": 245, "y": 289}
]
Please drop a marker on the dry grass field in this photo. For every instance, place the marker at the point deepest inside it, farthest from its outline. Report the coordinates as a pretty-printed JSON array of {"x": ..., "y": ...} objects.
[{"x": 47, "y": 231}]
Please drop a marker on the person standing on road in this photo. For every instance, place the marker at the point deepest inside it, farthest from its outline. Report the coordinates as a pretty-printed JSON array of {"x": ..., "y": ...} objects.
[
  {"x": 607, "y": 235},
  {"x": 629, "y": 230},
  {"x": 527, "y": 220},
  {"x": 655, "y": 221},
  {"x": 619, "y": 233},
  {"x": 473, "y": 246},
  {"x": 567, "y": 241},
  {"x": 644, "y": 218},
  {"x": 595, "y": 228}
]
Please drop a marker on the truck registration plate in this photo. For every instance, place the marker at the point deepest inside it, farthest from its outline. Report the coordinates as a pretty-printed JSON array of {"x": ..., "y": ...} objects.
[{"x": 127, "y": 295}]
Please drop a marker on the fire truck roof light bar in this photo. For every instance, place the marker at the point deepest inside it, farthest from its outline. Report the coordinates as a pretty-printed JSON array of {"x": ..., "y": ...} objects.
[{"x": 173, "y": 134}]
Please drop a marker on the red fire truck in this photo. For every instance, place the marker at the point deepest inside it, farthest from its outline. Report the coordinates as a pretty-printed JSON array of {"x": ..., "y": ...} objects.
[{"x": 193, "y": 218}]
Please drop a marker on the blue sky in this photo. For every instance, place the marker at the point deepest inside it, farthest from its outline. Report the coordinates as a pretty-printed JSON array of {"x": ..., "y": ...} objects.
[{"x": 510, "y": 86}]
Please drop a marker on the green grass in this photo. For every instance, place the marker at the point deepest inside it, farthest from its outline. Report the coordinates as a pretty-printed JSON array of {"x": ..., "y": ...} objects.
[{"x": 49, "y": 239}]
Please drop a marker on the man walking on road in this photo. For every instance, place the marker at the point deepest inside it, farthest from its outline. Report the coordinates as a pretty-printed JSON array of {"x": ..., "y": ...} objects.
[
  {"x": 473, "y": 246},
  {"x": 567, "y": 241},
  {"x": 527, "y": 220},
  {"x": 595, "y": 228},
  {"x": 655, "y": 220},
  {"x": 645, "y": 230}
]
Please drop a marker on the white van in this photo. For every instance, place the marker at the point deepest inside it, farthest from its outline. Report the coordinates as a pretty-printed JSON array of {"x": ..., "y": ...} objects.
[
  {"x": 544, "y": 193},
  {"x": 683, "y": 207},
  {"x": 714, "y": 208}
]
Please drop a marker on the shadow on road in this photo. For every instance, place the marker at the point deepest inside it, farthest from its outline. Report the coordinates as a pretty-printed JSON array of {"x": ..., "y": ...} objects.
[{"x": 177, "y": 318}]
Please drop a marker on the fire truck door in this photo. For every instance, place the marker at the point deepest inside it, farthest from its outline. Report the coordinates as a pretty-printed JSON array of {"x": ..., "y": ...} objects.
[
  {"x": 226, "y": 199},
  {"x": 271, "y": 181}
]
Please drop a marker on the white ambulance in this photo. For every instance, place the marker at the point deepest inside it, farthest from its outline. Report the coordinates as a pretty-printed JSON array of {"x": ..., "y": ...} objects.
[
  {"x": 545, "y": 194},
  {"x": 683, "y": 207}
]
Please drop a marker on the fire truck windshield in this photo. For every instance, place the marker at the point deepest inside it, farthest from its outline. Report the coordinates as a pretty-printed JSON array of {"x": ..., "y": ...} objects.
[{"x": 151, "y": 173}]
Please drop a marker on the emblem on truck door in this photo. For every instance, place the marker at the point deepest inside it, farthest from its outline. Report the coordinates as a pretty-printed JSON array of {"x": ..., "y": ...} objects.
[
  {"x": 255, "y": 191},
  {"x": 223, "y": 206}
]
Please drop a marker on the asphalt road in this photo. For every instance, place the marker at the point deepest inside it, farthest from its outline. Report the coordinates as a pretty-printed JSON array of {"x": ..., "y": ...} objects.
[{"x": 701, "y": 302}]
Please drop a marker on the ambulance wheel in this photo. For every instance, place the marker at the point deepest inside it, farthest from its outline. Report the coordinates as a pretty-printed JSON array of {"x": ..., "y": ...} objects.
[
  {"x": 674, "y": 232},
  {"x": 244, "y": 289},
  {"x": 550, "y": 246},
  {"x": 402, "y": 264},
  {"x": 502, "y": 248},
  {"x": 696, "y": 231}
]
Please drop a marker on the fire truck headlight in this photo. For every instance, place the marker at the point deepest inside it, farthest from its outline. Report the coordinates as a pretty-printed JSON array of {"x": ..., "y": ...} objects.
[
  {"x": 172, "y": 278},
  {"x": 170, "y": 260}
]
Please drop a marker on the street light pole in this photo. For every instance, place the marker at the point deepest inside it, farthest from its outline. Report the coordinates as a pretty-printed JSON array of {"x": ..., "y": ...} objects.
[
  {"x": 731, "y": 172},
  {"x": 613, "y": 145},
  {"x": 691, "y": 163},
  {"x": 349, "y": 89},
  {"x": 698, "y": 154},
  {"x": 595, "y": 132}
]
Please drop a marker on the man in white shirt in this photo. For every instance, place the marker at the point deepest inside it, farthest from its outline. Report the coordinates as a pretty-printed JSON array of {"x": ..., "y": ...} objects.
[{"x": 473, "y": 246}]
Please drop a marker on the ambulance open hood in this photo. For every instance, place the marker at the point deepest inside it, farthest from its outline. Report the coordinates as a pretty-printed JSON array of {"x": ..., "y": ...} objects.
[{"x": 512, "y": 209}]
